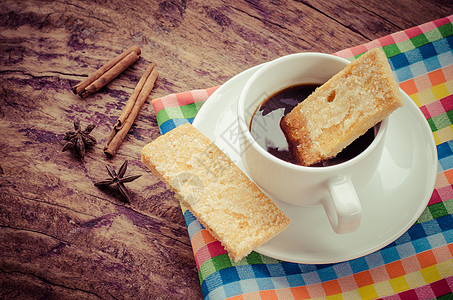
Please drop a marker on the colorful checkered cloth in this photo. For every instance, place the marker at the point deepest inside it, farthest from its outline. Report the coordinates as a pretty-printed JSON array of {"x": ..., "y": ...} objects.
[{"x": 419, "y": 264}]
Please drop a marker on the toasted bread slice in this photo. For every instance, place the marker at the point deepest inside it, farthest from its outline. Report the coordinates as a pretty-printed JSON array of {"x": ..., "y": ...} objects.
[
  {"x": 216, "y": 191},
  {"x": 342, "y": 109}
]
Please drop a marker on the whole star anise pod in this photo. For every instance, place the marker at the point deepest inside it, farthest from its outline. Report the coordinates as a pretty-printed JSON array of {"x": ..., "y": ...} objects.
[
  {"x": 118, "y": 179},
  {"x": 79, "y": 140}
]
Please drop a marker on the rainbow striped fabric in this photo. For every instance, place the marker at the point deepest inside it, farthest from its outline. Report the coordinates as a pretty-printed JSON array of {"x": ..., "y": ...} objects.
[{"x": 419, "y": 264}]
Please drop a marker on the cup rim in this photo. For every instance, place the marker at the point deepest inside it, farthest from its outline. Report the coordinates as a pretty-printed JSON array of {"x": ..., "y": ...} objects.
[{"x": 244, "y": 127}]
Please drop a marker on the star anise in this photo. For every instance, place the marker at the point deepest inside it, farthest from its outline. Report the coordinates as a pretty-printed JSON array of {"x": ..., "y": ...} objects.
[
  {"x": 79, "y": 140},
  {"x": 118, "y": 179}
]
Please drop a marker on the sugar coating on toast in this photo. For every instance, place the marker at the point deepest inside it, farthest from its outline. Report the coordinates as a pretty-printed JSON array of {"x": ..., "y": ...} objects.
[
  {"x": 235, "y": 211},
  {"x": 342, "y": 109}
]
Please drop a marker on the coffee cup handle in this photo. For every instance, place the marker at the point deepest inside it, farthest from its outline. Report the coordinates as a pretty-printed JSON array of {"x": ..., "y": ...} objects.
[{"x": 343, "y": 207}]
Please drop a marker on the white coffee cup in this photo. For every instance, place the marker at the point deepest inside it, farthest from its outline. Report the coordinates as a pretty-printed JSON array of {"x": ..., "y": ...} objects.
[{"x": 333, "y": 187}]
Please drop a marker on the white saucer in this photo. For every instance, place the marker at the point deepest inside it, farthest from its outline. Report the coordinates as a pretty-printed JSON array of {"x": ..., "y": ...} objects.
[{"x": 392, "y": 201}]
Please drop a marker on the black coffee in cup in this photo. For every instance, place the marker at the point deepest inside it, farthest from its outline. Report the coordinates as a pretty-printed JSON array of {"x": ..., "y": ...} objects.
[{"x": 265, "y": 126}]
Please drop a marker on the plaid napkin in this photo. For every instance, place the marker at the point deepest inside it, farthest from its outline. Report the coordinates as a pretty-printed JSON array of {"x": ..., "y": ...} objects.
[{"x": 419, "y": 264}]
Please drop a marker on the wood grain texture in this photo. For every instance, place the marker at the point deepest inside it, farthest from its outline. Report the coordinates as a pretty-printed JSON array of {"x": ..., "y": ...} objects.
[{"x": 60, "y": 236}]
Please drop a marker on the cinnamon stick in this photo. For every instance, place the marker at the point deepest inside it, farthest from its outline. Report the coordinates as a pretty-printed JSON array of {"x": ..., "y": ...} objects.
[
  {"x": 131, "y": 110},
  {"x": 106, "y": 73}
]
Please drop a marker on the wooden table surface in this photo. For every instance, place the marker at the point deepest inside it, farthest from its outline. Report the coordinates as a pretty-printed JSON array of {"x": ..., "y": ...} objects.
[{"x": 60, "y": 236}]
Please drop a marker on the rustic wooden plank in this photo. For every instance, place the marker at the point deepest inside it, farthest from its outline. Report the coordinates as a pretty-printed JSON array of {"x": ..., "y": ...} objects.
[
  {"x": 375, "y": 18},
  {"x": 406, "y": 13}
]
